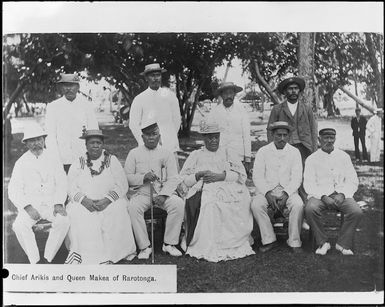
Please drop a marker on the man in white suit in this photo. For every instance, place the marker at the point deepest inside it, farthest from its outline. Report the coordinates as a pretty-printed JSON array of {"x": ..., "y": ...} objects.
[{"x": 277, "y": 175}]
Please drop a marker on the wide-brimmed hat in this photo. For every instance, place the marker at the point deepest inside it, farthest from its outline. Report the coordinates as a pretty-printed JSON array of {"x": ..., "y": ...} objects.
[
  {"x": 327, "y": 131},
  {"x": 378, "y": 110},
  {"x": 209, "y": 126},
  {"x": 280, "y": 125},
  {"x": 297, "y": 80},
  {"x": 225, "y": 85},
  {"x": 151, "y": 68},
  {"x": 91, "y": 133},
  {"x": 33, "y": 131},
  {"x": 68, "y": 78}
]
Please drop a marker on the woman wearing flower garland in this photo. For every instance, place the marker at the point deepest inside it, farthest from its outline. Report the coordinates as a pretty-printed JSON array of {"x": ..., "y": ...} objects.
[{"x": 100, "y": 227}]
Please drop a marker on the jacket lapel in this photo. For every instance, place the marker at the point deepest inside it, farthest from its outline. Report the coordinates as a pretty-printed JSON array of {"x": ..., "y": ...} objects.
[
  {"x": 300, "y": 110},
  {"x": 286, "y": 110}
]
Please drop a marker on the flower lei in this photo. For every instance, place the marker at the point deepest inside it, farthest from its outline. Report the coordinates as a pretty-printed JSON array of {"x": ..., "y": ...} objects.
[{"x": 104, "y": 162}]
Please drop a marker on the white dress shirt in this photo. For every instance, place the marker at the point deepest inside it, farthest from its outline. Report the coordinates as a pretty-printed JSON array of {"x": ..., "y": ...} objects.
[
  {"x": 37, "y": 181},
  {"x": 64, "y": 124},
  {"x": 163, "y": 107},
  {"x": 292, "y": 107},
  {"x": 327, "y": 173},
  {"x": 273, "y": 167},
  {"x": 235, "y": 129}
]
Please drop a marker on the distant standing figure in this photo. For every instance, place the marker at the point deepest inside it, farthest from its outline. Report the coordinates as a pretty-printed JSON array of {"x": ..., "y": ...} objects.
[
  {"x": 358, "y": 124},
  {"x": 66, "y": 119},
  {"x": 374, "y": 131},
  {"x": 158, "y": 104}
]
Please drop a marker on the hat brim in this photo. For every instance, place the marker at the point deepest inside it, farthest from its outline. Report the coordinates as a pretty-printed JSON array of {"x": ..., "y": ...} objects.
[
  {"x": 299, "y": 81},
  {"x": 289, "y": 128},
  {"x": 85, "y": 137},
  {"x": 236, "y": 88},
  {"x": 33, "y": 137},
  {"x": 162, "y": 70}
]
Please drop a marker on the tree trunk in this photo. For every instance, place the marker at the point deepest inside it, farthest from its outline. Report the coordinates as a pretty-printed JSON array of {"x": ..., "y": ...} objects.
[
  {"x": 329, "y": 101},
  {"x": 306, "y": 67},
  {"x": 262, "y": 81},
  {"x": 374, "y": 65}
]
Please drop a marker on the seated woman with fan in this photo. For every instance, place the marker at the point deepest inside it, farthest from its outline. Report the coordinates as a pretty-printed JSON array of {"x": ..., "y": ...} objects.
[
  {"x": 218, "y": 202},
  {"x": 100, "y": 227}
]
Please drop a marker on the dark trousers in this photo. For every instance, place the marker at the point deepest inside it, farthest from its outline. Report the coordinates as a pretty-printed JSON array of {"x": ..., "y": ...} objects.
[
  {"x": 66, "y": 167},
  {"x": 352, "y": 215},
  {"x": 357, "y": 139}
]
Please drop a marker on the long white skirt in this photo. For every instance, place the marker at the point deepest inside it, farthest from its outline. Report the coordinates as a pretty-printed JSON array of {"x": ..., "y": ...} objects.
[
  {"x": 97, "y": 237},
  {"x": 225, "y": 223}
]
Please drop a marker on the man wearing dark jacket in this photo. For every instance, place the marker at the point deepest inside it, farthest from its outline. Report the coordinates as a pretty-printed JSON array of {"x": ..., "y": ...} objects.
[
  {"x": 298, "y": 115},
  {"x": 358, "y": 125}
]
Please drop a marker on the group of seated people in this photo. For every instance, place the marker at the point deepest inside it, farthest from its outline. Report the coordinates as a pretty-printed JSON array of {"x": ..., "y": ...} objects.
[{"x": 90, "y": 210}]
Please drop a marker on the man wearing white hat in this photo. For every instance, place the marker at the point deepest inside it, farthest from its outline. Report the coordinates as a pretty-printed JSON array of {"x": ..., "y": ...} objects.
[
  {"x": 374, "y": 132},
  {"x": 151, "y": 164},
  {"x": 38, "y": 188},
  {"x": 234, "y": 123},
  {"x": 157, "y": 103},
  {"x": 277, "y": 175},
  {"x": 66, "y": 119}
]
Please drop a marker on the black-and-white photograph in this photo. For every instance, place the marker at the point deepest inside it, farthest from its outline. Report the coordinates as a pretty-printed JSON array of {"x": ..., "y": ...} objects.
[{"x": 181, "y": 161}]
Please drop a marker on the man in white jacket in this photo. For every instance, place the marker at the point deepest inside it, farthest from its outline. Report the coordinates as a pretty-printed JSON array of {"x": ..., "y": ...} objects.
[
  {"x": 330, "y": 181},
  {"x": 158, "y": 104},
  {"x": 38, "y": 188},
  {"x": 277, "y": 175},
  {"x": 234, "y": 123},
  {"x": 373, "y": 127},
  {"x": 152, "y": 165},
  {"x": 66, "y": 119}
]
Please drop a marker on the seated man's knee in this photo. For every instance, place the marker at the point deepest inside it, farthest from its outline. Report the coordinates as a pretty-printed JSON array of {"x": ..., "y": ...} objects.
[
  {"x": 312, "y": 205},
  {"x": 259, "y": 203},
  {"x": 177, "y": 204},
  {"x": 134, "y": 207}
]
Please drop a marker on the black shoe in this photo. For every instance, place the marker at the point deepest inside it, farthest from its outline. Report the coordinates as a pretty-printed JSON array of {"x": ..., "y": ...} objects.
[
  {"x": 43, "y": 261},
  {"x": 267, "y": 247}
]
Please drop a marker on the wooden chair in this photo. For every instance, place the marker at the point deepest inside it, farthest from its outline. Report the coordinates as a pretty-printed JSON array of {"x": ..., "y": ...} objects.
[{"x": 160, "y": 217}]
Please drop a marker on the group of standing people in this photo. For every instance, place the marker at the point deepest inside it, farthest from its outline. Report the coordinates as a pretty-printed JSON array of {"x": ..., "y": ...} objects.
[
  {"x": 89, "y": 207},
  {"x": 360, "y": 126}
]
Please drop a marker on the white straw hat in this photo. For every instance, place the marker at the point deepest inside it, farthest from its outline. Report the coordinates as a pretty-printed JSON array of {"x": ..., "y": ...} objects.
[{"x": 33, "y": 131}]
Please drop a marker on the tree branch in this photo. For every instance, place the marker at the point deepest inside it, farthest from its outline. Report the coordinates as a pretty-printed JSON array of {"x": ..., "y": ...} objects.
[{"x": 263, "y": 82}]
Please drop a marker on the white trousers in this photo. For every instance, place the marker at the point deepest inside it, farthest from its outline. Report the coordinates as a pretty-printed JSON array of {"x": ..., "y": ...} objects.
[
  {"x": 26, "y": 237},
  {"x": 98, "y": 237},
  {"x": 296, "y": 208},
  {"x": 174, "y": 206},
  {"x": 375, "y": 148}
]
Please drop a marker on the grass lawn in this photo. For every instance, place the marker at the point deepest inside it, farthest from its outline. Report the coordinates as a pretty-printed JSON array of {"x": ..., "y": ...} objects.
[{"x": 277, "y": 271}]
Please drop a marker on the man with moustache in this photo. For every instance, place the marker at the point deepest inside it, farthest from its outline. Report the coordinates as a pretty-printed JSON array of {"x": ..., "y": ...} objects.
[
  {"x": 150, "y": 166},
  {"x": 298, "y": 115},
  {"x": 38, "y": 188},
  {"x": 330, "y": 181},
  {"x": 66, "y": 119},
  {"x": 159, "y": 104},
  {"x": 277, "y": 175},
  {"x": 234, "y": 124}
]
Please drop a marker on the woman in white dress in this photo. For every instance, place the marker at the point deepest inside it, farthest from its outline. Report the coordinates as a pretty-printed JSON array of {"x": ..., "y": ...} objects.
[
  {"x": 100, "y": 227},
  {"x": 225, "y": 220}
]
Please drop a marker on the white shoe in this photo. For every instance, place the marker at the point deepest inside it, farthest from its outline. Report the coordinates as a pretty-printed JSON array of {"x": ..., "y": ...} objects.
[
  {"x": 172, "y": 250},
  {"x": 145, "y": 253},
  {"x": 323, "y": 249},
  {"x": 130, "y": 257},
  {"x": 183, "y": 244},
  {"x": 345, "y": 252}
]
